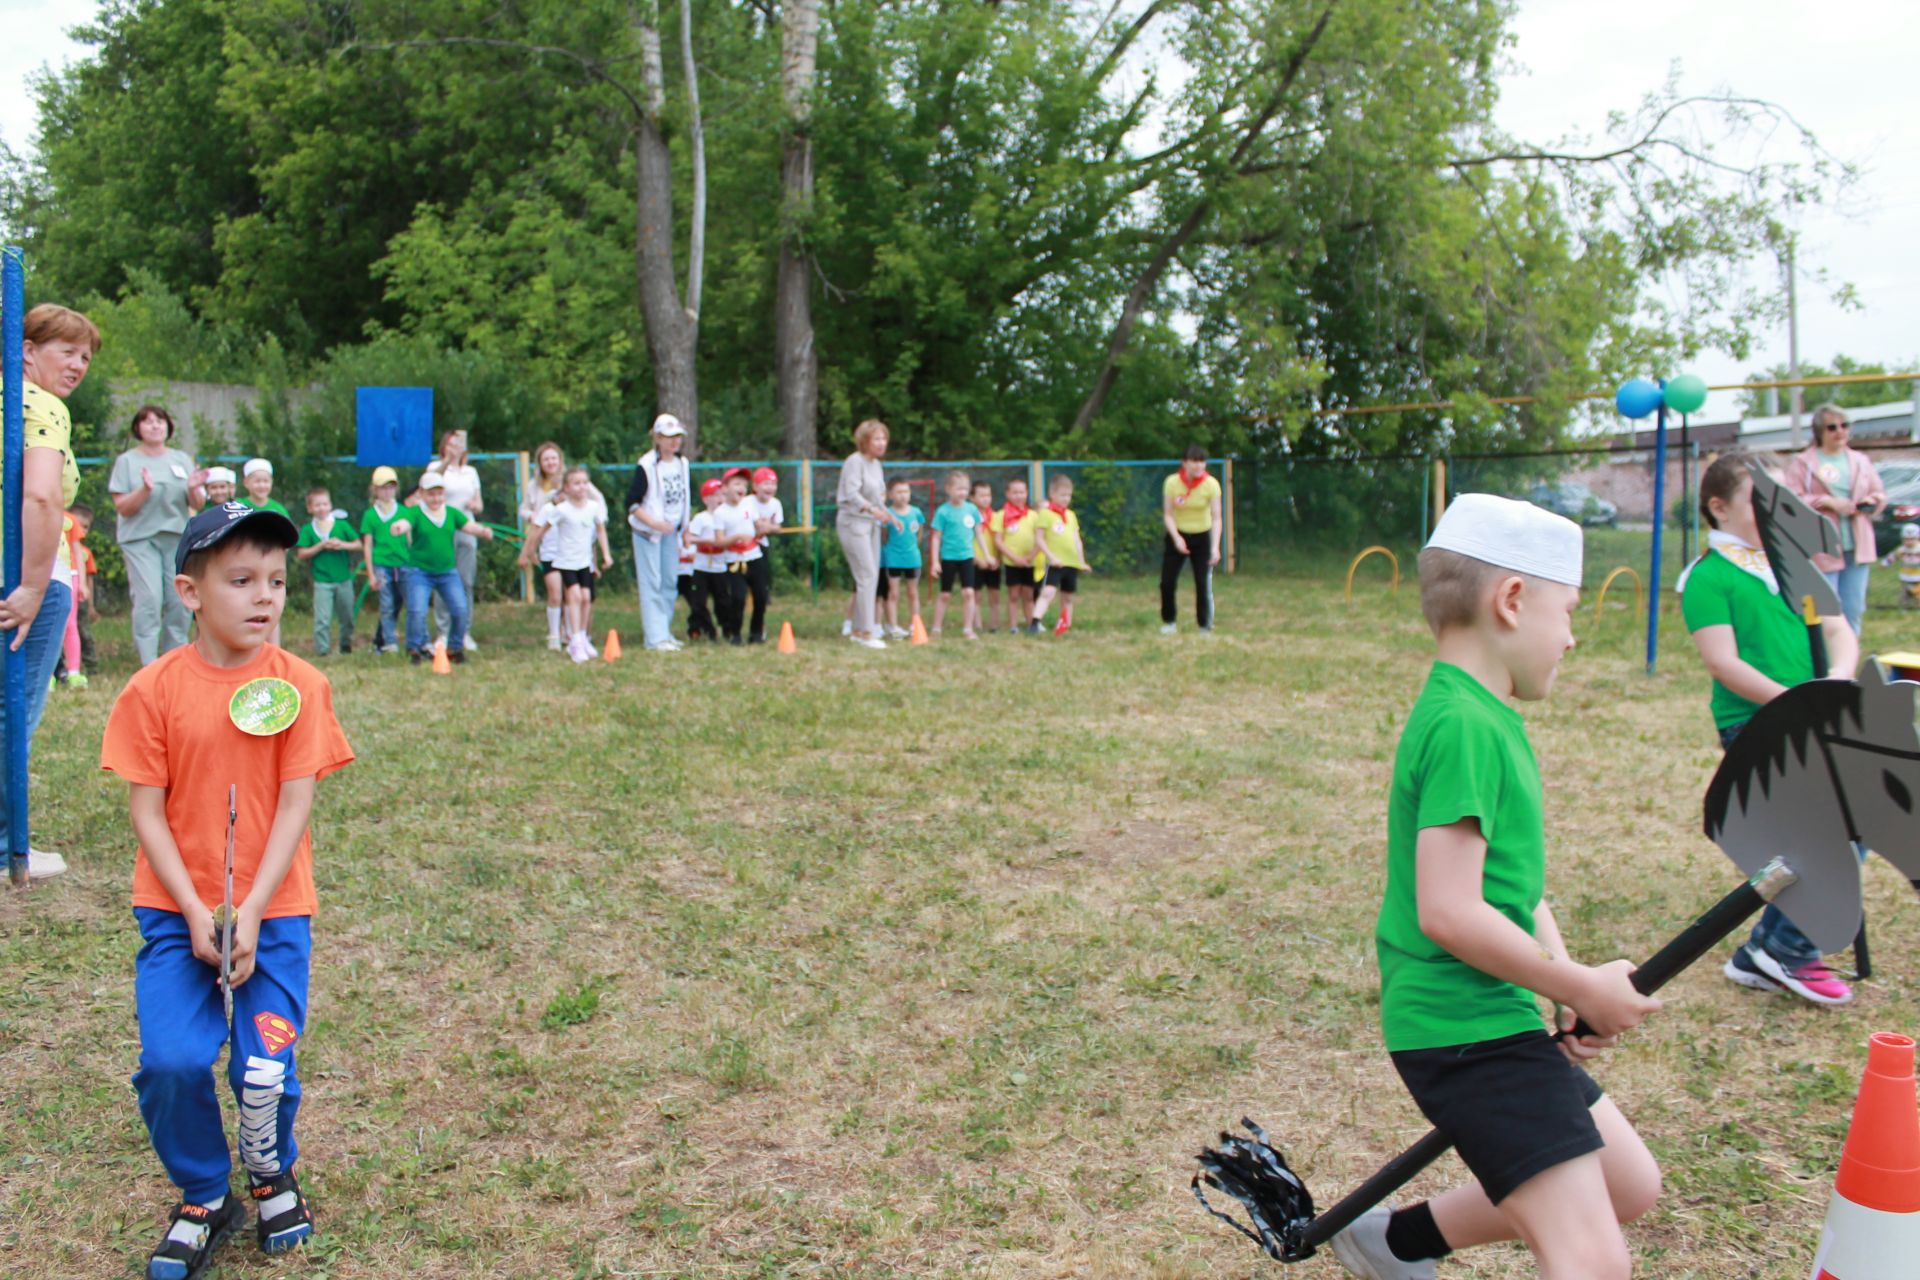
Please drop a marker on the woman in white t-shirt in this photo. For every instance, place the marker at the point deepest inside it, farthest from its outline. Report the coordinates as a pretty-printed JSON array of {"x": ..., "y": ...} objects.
[
  {"x": 563, "y": 535},
  {"x": 545, "y": 486},
  {"x": 463, "y": 494}
]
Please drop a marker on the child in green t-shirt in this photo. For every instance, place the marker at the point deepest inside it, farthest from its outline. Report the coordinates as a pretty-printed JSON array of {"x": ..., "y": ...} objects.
[
  {"x": 1466, "y": 941},
  {"x": 1755, "y": 647},
  {"x": 327, "y": 545},
  {"x": 256, "y": 477}
]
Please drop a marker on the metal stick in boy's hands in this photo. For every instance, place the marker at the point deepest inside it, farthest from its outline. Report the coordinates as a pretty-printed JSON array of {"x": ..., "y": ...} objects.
[{"x": 223, "y": 918}]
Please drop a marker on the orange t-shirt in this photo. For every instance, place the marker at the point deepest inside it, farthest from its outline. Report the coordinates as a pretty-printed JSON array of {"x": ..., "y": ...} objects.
[{"x": 170, "y": 728}]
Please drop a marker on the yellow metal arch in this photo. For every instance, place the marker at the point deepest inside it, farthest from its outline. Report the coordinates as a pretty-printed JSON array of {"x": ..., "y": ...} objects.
[
  {"x": 1392, "y": 558},
  {"x": 1639, "y": 592}
]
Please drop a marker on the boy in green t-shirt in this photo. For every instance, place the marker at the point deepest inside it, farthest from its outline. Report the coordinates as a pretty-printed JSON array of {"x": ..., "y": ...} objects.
[
  {"x": 1755, "y": 647},
  {"x": 383, "y": 535},
  {"x": 430, "y": 544},
  {"x": 256, "y": 477},
  {"x": 327, "y": 545},
  {"x": 1467, "y": 943}
]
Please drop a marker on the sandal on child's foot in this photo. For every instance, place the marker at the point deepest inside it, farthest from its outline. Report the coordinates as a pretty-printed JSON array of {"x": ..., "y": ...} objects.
[
  {"x": 193, "y": 1233},
  {"x": 285, "y": 1218}
]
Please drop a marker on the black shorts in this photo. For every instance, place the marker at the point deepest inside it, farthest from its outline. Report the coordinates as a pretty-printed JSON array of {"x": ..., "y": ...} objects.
[
  {"x": 1017, "y": 575},
  {"x": 1514, "y": 1107},
  {"x": 882, "y": 587},
  {"x": 546, "y": 567},
  {"x": 905, "y": 575},
  {"x": 1066, "y": 579},
  {"x": 988, "y": 579},
  {"x": 577, "y": 578},
  {"x": 965, "y": 571}
]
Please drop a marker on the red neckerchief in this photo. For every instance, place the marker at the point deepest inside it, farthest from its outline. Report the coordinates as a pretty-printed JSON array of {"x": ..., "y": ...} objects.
[
  {"x": 1011, "y": 515},
  {"x": 986, "y": 512},
  {"x": 1056, "y": 508},
  {"x": 1191, "y": 484}
]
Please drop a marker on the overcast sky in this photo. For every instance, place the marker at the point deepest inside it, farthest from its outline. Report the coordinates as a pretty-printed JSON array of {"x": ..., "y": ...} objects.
[{"x": 1851, "y": 80}]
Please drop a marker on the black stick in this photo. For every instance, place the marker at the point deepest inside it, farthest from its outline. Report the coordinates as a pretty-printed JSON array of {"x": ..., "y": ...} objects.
[{"x": 1698, "y": 938}]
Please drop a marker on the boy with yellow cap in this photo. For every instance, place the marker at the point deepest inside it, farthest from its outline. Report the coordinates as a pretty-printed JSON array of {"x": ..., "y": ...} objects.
[
  {"x": 383, "y": 534},
  {"x": 1467, "y": 944}
]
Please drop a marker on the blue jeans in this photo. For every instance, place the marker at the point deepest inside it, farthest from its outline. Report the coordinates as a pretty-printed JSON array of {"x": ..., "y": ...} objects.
[
  {"x": 421, "y": 586},
  {"x": 1850, "y": 584},
  {"x": 40, "y": 652},
  {"x": 393, "y": 603},
  {"x": 656, "y": 571},
  {"x": 1776, "y": 935},
  {"x": 183, "y": 1027}
]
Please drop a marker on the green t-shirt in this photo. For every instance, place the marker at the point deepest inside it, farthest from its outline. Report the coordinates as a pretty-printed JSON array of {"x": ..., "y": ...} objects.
[
  {"x": 1463, "y": 754},
  {"x": 389, "y": 548},
  {"x": 1767, "y": 634},
  {"x": 271, "y": 504},
  {"x": 330, "y": 566},
  {"x": 433, "y": 543}
]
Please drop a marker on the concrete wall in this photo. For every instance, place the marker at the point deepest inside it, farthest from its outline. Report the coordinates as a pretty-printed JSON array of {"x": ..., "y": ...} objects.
[{"x": 203, "y": 411}]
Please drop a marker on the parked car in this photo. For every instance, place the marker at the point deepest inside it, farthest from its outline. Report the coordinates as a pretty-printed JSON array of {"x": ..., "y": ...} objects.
[
  {"x": 1903, "y": 504},
  {"x": 1575, "y": 502}
]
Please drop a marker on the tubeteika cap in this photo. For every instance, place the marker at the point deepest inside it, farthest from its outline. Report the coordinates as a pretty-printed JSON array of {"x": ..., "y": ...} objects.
[
  {"x": 221, "y": 475},
  {"x": 215, "y": 524},
  {"x": 1511, "y": 534},
  {"x": 256, "y": 464}
]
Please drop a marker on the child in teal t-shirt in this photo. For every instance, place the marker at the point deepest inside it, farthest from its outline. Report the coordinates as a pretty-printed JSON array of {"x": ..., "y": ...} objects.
[
  {"x": 953, "y": 526},
  {"x": 1755, "y": 646},
  {"x": 328, "y": 545},
  {"x": 900, "y": 556},
  {"x": 1466, "y": 942}
]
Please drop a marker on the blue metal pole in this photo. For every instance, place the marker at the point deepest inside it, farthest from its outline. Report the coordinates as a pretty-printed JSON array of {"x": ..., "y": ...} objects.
[
  {"x": 13, "y": 299},
  {"x": 1659, "y": 520}
]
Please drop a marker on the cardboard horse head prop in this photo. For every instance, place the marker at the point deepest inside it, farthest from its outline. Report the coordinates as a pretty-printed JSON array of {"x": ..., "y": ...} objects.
[{"x": 1792, "y": 533}]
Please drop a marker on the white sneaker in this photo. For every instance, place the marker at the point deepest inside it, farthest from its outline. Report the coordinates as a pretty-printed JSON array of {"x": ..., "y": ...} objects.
[
  {"x": 1362, "y": 1249},
  {"x": 593, "y": 650},
  {"x": 898, "y": 633},
  {"x": 42, "y": 865},
  {"x": 1169, "y": 628},
  {"x": 577, "y": 649},
  {"x": 470, "y": 645},
  {"x": 554, "y": 643},
  {"x": 869, "y": 642},
  {"x": 846, "y": 626}
]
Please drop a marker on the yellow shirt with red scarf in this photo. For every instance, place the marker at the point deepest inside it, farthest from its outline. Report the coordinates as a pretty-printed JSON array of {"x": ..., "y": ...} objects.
[
  {"x": 984, "y": 551},
  {"x": 1017, "y": 529},
  {"x": 1192, "y": 501},
  {"x": 1058, "y": 529}
]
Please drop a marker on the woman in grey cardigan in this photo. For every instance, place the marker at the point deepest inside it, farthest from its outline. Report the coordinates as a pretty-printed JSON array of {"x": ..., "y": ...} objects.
[
  {"x": 155, "y": 489},
  {"x": 863, "y": 515}
]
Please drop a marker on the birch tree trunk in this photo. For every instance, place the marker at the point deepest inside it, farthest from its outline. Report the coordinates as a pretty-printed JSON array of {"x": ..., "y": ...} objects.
[
  {"x": 673, "y": 329},
  {"x": 798, "y": 362}
]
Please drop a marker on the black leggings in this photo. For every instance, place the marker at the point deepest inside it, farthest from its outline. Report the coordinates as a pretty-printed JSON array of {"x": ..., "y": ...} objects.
[
  {"x": 1201, "y": 547},
  {"x": 759, "y": 589}
]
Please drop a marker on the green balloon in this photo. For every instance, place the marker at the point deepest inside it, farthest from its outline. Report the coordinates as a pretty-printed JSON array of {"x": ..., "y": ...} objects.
[{"x": 1686, "y": 393}]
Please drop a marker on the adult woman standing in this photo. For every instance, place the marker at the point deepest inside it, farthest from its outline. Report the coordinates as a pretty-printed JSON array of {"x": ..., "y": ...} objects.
[
  {"x": 659, "y": 506},
  {"x": 1190, "y": 510},
  {"x": 861, "y": 522},
  {"x": 463, "y": 494},
  {"x": 156, "y": 489},
  {"x": 1840, "y": 482},
  {"x": 58, "y": 346}
]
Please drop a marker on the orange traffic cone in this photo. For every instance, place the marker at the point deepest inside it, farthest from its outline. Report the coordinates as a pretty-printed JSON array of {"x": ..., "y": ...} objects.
[
  {"x": 612, "y": 651},
  {"x": 919, "y": 635},
  {"x": 786, "y": 644},
  {"x": 1873, "y": 1224},
  {"x": 441, "y": 665}
]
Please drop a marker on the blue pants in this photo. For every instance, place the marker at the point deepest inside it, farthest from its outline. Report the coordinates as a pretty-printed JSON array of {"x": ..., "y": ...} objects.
[
  {"x": 656, "y": 569},
  {"x": 1850, "y": 584},
  {"x": 393, "y": 603},
  {"x": 182, "y": 1030},
  {"x": 1776, "y": 935},
  {"x": 420, "y": 588},
  {"x": 40, "y": 652}
]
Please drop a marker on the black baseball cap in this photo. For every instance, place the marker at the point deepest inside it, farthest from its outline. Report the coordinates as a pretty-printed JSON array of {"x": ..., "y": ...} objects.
[{"x": 214, "y": 524}]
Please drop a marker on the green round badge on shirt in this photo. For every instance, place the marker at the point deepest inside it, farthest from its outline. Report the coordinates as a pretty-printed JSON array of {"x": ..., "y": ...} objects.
[{"x": 264, "y": 707}]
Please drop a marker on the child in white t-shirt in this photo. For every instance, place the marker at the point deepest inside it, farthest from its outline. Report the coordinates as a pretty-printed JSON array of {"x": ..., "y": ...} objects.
[
  {"x": 564, "y": 534},
  {"x": 764, "y": 509}
]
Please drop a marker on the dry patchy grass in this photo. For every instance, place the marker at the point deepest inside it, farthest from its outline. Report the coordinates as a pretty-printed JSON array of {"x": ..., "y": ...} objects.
[{"x": 935, "y": 962}]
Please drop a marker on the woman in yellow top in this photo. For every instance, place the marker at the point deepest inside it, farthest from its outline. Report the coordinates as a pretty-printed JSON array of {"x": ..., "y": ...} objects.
[
  {"x": 58, "y": 345},
  {"x": 1190, "y": 509}
]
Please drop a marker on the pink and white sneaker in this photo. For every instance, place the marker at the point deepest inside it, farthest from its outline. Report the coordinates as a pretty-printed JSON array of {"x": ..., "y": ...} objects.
[{"x": 1810, "y": 981}]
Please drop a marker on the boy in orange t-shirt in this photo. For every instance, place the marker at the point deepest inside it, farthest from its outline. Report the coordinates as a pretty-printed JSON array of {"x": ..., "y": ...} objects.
[{"x": 230, "y": 709}]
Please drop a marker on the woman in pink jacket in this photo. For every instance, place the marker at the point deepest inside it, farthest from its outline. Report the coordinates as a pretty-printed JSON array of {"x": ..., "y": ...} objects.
[{"x": 1842, "y": 485}]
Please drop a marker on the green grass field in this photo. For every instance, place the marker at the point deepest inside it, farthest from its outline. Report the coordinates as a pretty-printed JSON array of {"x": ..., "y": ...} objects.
[{"x": 934, "y": 962}]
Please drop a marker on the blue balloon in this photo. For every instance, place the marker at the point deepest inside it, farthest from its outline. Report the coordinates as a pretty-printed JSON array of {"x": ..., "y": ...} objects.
[{"x": 1637, "y": 398}]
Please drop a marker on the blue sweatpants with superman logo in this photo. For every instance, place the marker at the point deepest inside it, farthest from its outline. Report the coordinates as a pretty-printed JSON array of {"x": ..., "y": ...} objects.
[{"x": 182, "y": 1030}]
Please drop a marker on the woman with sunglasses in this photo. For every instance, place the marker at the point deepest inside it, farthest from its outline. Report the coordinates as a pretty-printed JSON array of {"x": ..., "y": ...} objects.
[{"x": 1840, "y": 483}]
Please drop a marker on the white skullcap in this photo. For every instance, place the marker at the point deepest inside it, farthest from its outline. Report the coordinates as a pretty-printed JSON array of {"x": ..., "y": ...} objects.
[
  {"x": 256, "y": 464},
  {"x": 1511, "y": 534},
  {"x": 220, "y": 475}
]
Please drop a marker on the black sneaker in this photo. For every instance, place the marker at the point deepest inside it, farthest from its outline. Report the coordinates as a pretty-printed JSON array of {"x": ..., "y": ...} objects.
[
  {"x": 289, "y": 1228},
  {"x": 346, "y": 648},
  {"x": 1741, "y": 969},
  {"x": 179, "y": 1257},
  {"x": 756, "y": 639},
  {"x": 457, "y": 656},
  {"x": 416, "y": 657}
]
